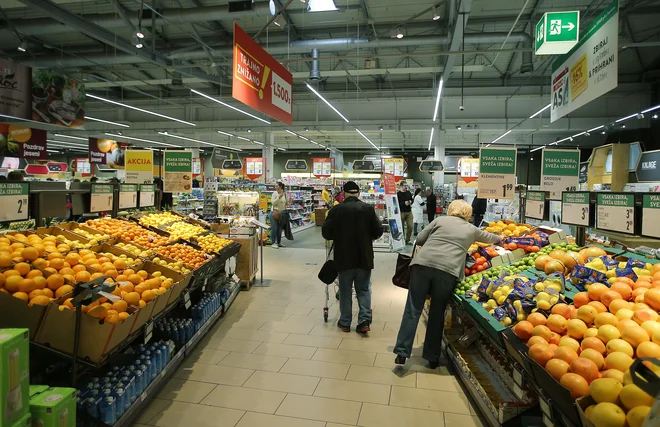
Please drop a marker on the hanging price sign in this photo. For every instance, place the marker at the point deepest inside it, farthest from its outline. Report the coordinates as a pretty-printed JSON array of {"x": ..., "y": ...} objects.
[
  {"x": 536, "y": 206},
  {"x": 560, "y": 171},
  {"x": 576, "y": 208},
  {"x": 395, "y": 166},
  {"x": 650, "y": 215},
  {"x": 14, "y": 199},
  {"x": 616, "y": 212},
  {"x": 469, "y": 169},
  {"x": 128, "y": 196},
  {"x": 254, "y": 167},
  {"x": 497, "y": 173},
  {"x": 102, "y": 197},
  {"x": 147, "y": 195},
  {"x": 322, "y": 167}
]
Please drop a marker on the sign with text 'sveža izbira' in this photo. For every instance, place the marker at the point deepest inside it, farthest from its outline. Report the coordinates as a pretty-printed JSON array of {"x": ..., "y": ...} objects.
[
  {"x": 147, "y": 195},
  {"x": 177, "y": 171},
  {"x": 497, "y": 173},
  {"x": 128, "y": 196},
  {"x": 14, "y": 201},
  {"x": 260, "y": 81},
  {"x": 139, "y": 167},
  {"x": 616, "y": 212},
  {"x": 560, "y": 171},
  {"x": 576, "y": 208},
  {"x": 650, "y": 215},
  {"x": 557, "y": 32},
  {"x": 536, "y": 206},
  {"x": 101, "y": 198}
]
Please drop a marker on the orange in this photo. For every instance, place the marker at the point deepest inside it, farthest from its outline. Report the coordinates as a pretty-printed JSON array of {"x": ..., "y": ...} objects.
[
  {"x": 148, "y": 295},
  {"x": 96, "y": 266},
  {"x": 120, "y": 306},
  {"x": 135, "y": 279},
  {"x": 541, "y": 353},
  {"x": 50, "y": 270},
  {"x": 166, "y": 285},
  {"x": 107, "y": 266},
  {"x": 12, "y": 272},
  {"x": 67, "y": 303},
  {"x": 143, "y": 274},
  {"x": 67, "y": 270},
  {"x": 112, "y": 318},
  {"x": 21, "y": 295},
  {"x": 47, "y": 292},
  {"x": 40, "y": 300},
  {"x": 56, "y": 263},
  {"x": 576, "y": 384},
  {"x": 11, "y": 283},
  {"x": 52, "y": 256},
  {"x": 99, "y": 311},
  {"x": 17, "y": 246},
  {"x": 27, "y": 285},
  {"x": 5, "y": 260},
  {"x": 63, "y": 290},
  {"x": 63, "y": 248},
  {"x": 30, "y": 254},
  {"x": 128, "y": 287},
  {"x": 119, "y": 264},
  {"x": 132, "y": 298},
  {"x": 83, "y": 277},
  {"x": 142, "y": 304},
  {"x": 78, "y": 268},
  {"x": 586, "y": 368},
  {"x": 95, "y": 276},
  {"x": 121, "y": 278},
  {"x": 54, "y": 281},
  {"x": 141, "y": 288},
  {"x": 69, "y": 278},
  {"x": 103, "y": 259},
  {"x": 580, "y": 299},
  {"x": 23, "y": 268},
  {"x": 36, "y": 293},
  {"x": 123, "y": 316},
  {"x": 34, "y": 273},
  {"x": 41, "y": 249},
  {"x": 111, "y": 272}
]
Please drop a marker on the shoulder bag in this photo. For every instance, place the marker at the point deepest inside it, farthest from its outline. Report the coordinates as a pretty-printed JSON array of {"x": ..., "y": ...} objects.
[
  {"x": 401, "y": 276},
  {"x": 328, "y": 273}
]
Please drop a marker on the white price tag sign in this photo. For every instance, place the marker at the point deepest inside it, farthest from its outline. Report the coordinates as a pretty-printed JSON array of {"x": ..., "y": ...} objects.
[
  {"x": 147, "y": 195},
  {"x": 101, "y": 198},
  {"x": 576, "y": 209},
  {"x": 650, "y": 212},
  {"x": 535, "y": 205},
  {"x": 281, "y": 93},
  {"x": 186, "y": 300},
  {"x": 616, "y": 212},
  {"x": 14, "y": 200},
  {"x": 128, "y": 196}
]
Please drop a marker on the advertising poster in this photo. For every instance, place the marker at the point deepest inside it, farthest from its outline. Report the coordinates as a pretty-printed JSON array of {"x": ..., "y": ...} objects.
[
  {"x": 393, "y": 213},
  {"x": 254, "y": 167},
  {"x": 497, "y": 173},
  {"x": 469, "y": 169},
  {"x": 322, "y": 167},
  {"x": 259, "y": 80},
  {"x": 147, "y": 195},
  {"x": 560, "y": 171},
  {"x": 128, "y": 196},
  {"x": 395, "y": 167},
  {"x": 57, "y": 100},
  {"x": 15, "y": 89},
  {"x": 108, "y": 152},
  {"x": 22, "y": 142},
  {"x": 139, "y": 167},
  {"x": 177, "y": 171},
  {"x": 101, "y": 198},
  {"x": 590, "y": 69},
  {"x": 14, "y": 199}
]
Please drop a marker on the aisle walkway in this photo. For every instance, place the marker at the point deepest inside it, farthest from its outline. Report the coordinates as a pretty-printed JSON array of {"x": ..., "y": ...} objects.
[{"x": 273, "y": 362}]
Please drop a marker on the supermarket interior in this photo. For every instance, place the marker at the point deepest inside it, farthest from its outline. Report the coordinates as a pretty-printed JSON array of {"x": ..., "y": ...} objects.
[{"x": 185, "y": 188}]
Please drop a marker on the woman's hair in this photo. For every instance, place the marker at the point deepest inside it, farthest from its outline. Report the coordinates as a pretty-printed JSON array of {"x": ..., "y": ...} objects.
[
  {"x": 419, "y": 190},
  {"x": 460, "y": 208},
  {"x": 281, "y": 185}
]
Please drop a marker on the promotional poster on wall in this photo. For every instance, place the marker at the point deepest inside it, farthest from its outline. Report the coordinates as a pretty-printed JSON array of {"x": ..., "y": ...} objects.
[{"x": 22, "y": 142}]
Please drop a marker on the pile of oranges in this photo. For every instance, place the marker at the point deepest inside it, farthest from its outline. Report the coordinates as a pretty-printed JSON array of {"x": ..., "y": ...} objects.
[
  {"x": 107, "y": 263},
  {"x": 191, "y": 257},
  {"x": 128, "y": 231}
]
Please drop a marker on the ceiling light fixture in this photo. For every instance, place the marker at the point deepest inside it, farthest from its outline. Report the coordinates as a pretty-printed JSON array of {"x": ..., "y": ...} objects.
[
  {"x": 302, "y": 137},
  {"x": 53, "y": 151},
  {"x": 326, "y": 102},
  {"x": 431, "y": 138},
  {"x": 623, "y": 126},
  {"x": 540, "y": 111},
  {"x": 224, "y": 133},
  {"x": 500, "y": 137},
  {"x": 655, "y": 116},
  {"x": 94, "y": 119},
  {"x": 140, "y": 109},
  {"x": 578, "y": 134},
  {"x": 242, "y": 138},
  {"x": 141, "y": 140},
  {"x": 280, "y": 149},
  {"x": 651, "y": 109},
  {"x": 365, "y": 137},
  {"x": 436, "y": 15},
  {"x": 537, "y": 148},
  {"x": 279, "y": 21},
  {"x": 458, "y": 127},
  {"x": 257, "y": 142},
  {"x": 72, "y": 137},
  {"x": 640, "y": 116},
  {"x": 23, "y": 47},
  {"x": 399, "y": 33},
  {"x": 137, "y": 42},
  {"x": 437, "y": 100},
  {"x": 306, "y": 129},
  {"x": 603, "y": 132},
  {"x": 626, "y": 118},
  {"x": 596, "y": 128},
  {"x": 66, "y": 144},
  {"x": 291, "y": 132},
  {"x": 380, "y": 128},
  {"x": 139, "y": 34},
  {"x": 229, "y": 106},
  {"x": 198, "y": 141},
  {"x": 249, "y": 130}
]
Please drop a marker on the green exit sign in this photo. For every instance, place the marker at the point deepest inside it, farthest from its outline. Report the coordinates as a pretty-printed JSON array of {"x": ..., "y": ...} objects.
[{"x": 557, "y": 32}]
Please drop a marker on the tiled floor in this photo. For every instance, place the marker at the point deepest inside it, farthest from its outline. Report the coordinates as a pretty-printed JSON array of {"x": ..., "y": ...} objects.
[{"x": 273, "y": 362}]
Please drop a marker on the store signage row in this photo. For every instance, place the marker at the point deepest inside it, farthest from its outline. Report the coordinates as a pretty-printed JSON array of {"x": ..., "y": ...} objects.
[
  {"x": 296, "y": 165},
  {"x": 322, "y": 167},
  {"x": 469, "y": 169},
  {"x": 576, "y": 208},
  {"x": 23, "y": 142},
  {"x": 497, "y": 173},
  {"x": 177, "y": 171},
  {"x": 374, "y": 159},
  {"x": 259, "y": 80},
  {"x": 14, "y": 201},
  {"x": 560, "y": 171},
  {"x": 557, "y": 32},
  {"x": 590, "y": 69},
  {"x": 431, "y": 166},
  {"x": 128, "y": 196},
  {"x": 41, "y": 96},
  {"x": 139, "y": 166},
  {"x": 648, "y": 167},
  {"x": 537, "y": 205},
  {"x": 254, "y": 167},
  {"x": 102, "y": 197}
]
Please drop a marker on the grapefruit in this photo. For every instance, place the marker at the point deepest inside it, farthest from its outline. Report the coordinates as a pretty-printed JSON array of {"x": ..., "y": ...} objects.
[
  {"x": 594, "y": 356},
  {"x": 576, "y": 328},
  {"x": 577, "y": 385},
  {"x": 619, "y": 346},
  {"x": 605, "y": 319},
  {"x": 557, "y": 323},
  {"x": 557, "y": 368},
  {"x": 593, "y": 343},
  {"x": 648, "y": 349},
  {"x": 567, "y": 354},
  {"x": 596, "y": 290},
  {"x": 605, "y": 390},
  {"x": 635, "y": 335},
  {"x": 608, "y": 414},
  {"x": 637, "y": 416},
  {"x": 587, "y": 313},
  {"x": 613, "y": 373},
  {"x": 632, "y": 396},
  {"x": 523, "y": 330},
  {"x": 619, "y": 361},
  {"x": 541, "y": 353},
  {"x": 585, "y": 368},
  {"x": 580, "y": 299},
  {"x": 606, "y": 333}
]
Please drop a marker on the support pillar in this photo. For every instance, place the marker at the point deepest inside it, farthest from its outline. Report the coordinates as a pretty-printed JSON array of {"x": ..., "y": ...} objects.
[
  {"x": 439, "y": 143},
  {"x": 267, "y": 154}
]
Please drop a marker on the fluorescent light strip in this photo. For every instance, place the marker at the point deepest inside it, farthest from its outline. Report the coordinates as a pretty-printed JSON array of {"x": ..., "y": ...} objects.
[
  {"x": 365, "y": 137},
  {"x": 72, "y": 137},
  {"x": 141, "y": 140},
  {"x": 578, "y": 134},
  {"x": 229, "y": 106},
  {"x": 257, "y": 142},
  {"x": 106, "y": 121},
  {"x": 501, "y": 136},
  {"x": 437, "y": 100},
  {"x": 626, "y": 118},
  {"x": 198, "y": 141},
  {"x": 302, "y": 137},
  {"x": 596, "y": 128},
  {"x": 561, "y": 140},
  {"x": 651, "y": 109},
  {"x": 537, "y": 149},
  {"x": 540, "y": 111},
  {"x": 327, "y": 102},
  {"x": 73, "y": 144},
  {"x": 313, "y": 142},
  {"x": 225, "y": 133},
  {"x": 280, "y": 149},
  {"x": 243, "y": 138},
  {"x": 53, "y": 151},
  {"x": 140, "y": 109},
  {"x": 292, "y": 133},
  {"x": 431, "y": 138}
]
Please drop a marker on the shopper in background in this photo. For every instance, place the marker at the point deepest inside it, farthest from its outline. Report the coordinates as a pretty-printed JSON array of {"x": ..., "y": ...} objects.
[
  {"x": 325, "y": 195},
  {"x": 478, "y": 210},
  {"x": 166, "y": 199},
  {"x": 15, "y": 176},
  {"x": 435, "y": 269},
  {"x": 405, "y": 205},
  {"x": 279, "y": 202},
  {"x": 418, "y": 211},
  {"x": 338, "y": 195},
  {"x": 94, "y": 179},
  {"x": 431, "y": 205},
  {"x": 353, "y": 226}
]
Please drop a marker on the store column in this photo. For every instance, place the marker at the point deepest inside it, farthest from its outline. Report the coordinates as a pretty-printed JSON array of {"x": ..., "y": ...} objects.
[
  {"x": 439, "y": 143},
  {"x": 268, "y": 150}
]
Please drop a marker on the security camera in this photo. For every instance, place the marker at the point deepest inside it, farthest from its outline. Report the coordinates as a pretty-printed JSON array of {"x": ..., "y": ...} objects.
[{"x": 462, "y": 108}]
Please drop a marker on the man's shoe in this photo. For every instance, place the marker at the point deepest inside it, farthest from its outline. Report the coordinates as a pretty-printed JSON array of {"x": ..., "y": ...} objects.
[
  {"x": 363, "y": 328},
  {"x": 343, "y": 328},
  {"x": 275, "y": 246},
  {"x": 400, "y": 360}
]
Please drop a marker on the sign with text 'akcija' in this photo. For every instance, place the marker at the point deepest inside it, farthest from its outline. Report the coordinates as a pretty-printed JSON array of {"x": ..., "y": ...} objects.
[
  {"x": 139, "y": 166},
  {"x": 497, "y": 173},
  {"x": 259, "y": 81},
  {"x": 560, "y": 171}
]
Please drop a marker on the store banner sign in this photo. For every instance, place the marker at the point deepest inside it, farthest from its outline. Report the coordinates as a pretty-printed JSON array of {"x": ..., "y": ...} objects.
[
  {"x": 22, "y": 142},
  {"x": 557, "y": 32},
  {"x": 497, "y": 173},
  {"x": 218, "y": 157},
  {"x": 616, "y": 212},
  {"x": 197, "y": 166},
  {"x": 393, "y": 213},
  {"x": 560, "y": 171},
  {"x": 576, "y": 208},
  {"x": 57, "y": 99},
  {"x": 106, "y": 152},
  {"x": 590, "y": 69},
  {"x": 128, "y": 196},
  {"x": 177, "y": 171},
  {"x": 322, "y": 167},
  {"x": 469, "y": 169},
  {"x": 139, "y": 167},
  {"x": 394, "y": 167},
  {"x": 102, "y": 198},
  {"x": 375, "y": 159},
  {"x": 648, "y": 167},
  {"x": 14, "y": 200},
  {"x": 296, "y": 165},
  {"x": 15, "y": 89},
  {"x": 147, "y": 195},
  {"x": 584, "y": 172},
  {"x": 259, "y": 80},
  {"x": 650, "y": 215},
  {"x": 254, "y": 167}
]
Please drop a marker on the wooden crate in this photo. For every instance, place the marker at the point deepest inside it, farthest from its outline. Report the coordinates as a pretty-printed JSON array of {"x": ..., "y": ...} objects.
[{"x": 247, "y": 262}]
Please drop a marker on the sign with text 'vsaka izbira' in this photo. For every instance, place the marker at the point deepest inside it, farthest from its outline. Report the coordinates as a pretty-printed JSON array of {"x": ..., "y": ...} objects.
[{"x": 497, "y": 173}]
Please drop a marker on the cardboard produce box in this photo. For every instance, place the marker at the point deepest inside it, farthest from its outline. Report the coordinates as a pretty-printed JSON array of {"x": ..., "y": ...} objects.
[
  {"x": 15, "y": 313},
  {"x": 181, "y": 282},
  {"x": 15, "y": 375},
  {"x": 248, "y": 256},
  {"x": 54, "y": 407},
  {"x": 319, "y": 216}
]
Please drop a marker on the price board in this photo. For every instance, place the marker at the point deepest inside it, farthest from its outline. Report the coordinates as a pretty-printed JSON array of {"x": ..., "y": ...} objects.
[
  {"x": 128, "y": 196},
  {"x": 14, "y": 201},
  {"x": 232, "y": 165},
  {"x": 101, "y": 198},
  {"x": 576, "y": 208},
  {"x": 650, "y": 215},
  {"x": 322, "y": 167},
  {"x": 616, "y": 212},
  {"x": 497, "y": 173},
  {"x": 254, "y": 167},
  {"x": 536, "y": 205},
  {"x": 560, "y": 171},
  {"x": 296, "y": 165},
  {"x": 431, "y": 166},
  {"x": 364, "y": 165},
  {"x": 147, "y": 195}
]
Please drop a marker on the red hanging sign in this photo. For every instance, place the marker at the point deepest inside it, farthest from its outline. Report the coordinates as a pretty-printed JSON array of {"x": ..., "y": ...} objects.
[
  {"x": 322, "y": 167},
  {"x": 389, "y": 183},
  {"x": 23, "y": 142},
  {"x": 259, "y": 81},
  {"x": 254, "y": 167}
]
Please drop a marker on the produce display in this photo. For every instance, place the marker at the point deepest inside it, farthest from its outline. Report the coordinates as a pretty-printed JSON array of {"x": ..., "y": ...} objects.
[
  {"x": 49, "y": 243},
  {"x": 176, "y": 266},
  {"x": 184, "y": 230},
  {"x": 139, "y": 252},
  {"x": 212, "y": 242},
  {"x": 191, "y": 257},
  {"x": 91, "y": 236},
  {"x": 129, "y": 232},
  {"x": 106, "y": 261},
  {"x": 508, "y": 228},
  {"x": 158, "y": 219}
]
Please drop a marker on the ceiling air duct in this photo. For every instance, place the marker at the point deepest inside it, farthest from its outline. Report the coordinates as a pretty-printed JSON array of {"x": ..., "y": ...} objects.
[{"x": 314, "y": 73}]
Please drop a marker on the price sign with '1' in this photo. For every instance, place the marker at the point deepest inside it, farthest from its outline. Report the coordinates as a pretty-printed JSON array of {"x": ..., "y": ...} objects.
[
  {"x": 147, "y": 195},
  {"x": 497, "y": 173},
  {"x": 128, "y": 196},
  {"x": 101, "y": 198},
  {"x": 616, "y": 212},
  {"x": 14, "y": 197},
  {"x": 576, "y": 209},
  {"x": 650, "y": 215},
  {"x": 535, "y": 206}
]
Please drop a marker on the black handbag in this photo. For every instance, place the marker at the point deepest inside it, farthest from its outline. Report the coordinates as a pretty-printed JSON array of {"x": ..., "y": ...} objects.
[
  {"x": 401, "y": 276},
  {"x": 328, "y": 273}
]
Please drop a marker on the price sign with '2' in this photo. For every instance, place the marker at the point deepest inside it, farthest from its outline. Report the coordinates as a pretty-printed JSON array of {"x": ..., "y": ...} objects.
[
  {"x": 14, "y": 199},
  {"x": 616, "y": 212}
]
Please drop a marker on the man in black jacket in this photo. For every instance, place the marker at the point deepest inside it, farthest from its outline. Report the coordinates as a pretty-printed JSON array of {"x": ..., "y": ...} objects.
[
  {"x": 431, "y": 204},
  {"x": 353, "y": 226},
  {"x": 405, "y": 206}
]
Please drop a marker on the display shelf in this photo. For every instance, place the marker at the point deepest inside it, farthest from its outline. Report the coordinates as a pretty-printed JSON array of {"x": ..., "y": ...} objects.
[{"x": 303, "y": 228}]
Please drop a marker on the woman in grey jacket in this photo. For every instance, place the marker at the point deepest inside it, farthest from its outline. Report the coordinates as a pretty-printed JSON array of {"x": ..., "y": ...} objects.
[{"x": 435, "y": 269}]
